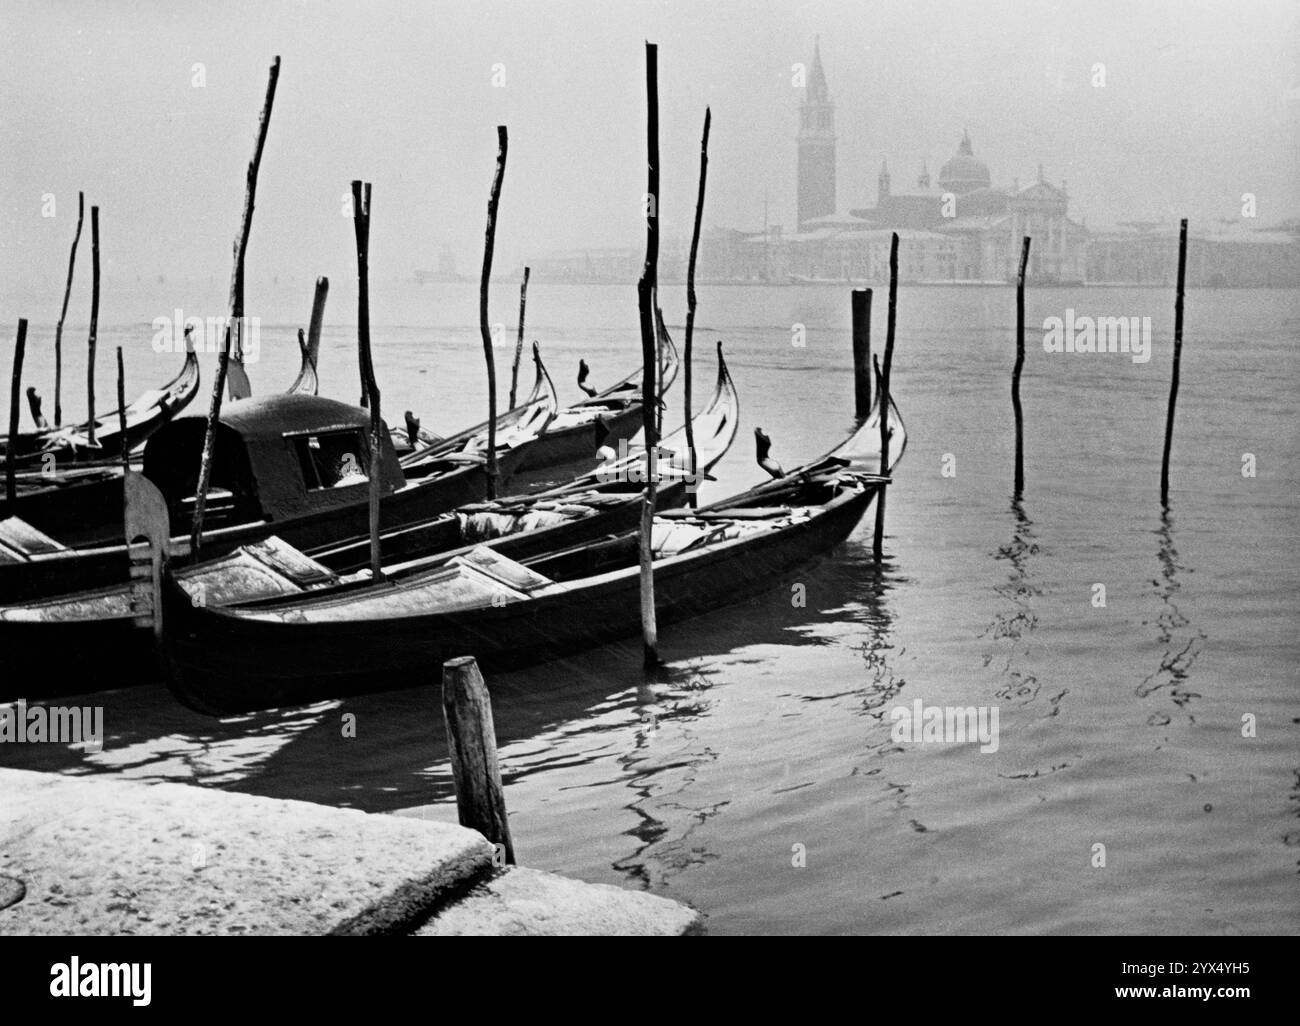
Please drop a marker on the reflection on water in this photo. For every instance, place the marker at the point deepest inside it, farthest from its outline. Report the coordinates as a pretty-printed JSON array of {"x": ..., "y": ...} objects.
[
  {"x": 1016, "y": 618},
  {"x": 1181, "y": 641}
]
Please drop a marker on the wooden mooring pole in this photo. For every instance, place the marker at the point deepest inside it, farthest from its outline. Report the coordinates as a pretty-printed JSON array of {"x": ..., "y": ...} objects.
[
  {"x": 472, "y": 746},
  {"x": 58, "y": 331},
  {"x": 15, "y": 391},
  {"x": 93, "y": 341},
  {"x": 1015, "y": 374},
  {"x": 489, "y": 244},
  {"x": 861, "y": 305},
  {"x": 646, "y": 290},
  {"x": 240, "y": 388},
  {"x": 1178, "y": 356},
  {"x": 519, "y": 341},
  {"x": 369, "y": 386},
  {"x": 878, "y": 547},
  {"x": 121, "y": 410},
  {"x": 691, "y": 493}
]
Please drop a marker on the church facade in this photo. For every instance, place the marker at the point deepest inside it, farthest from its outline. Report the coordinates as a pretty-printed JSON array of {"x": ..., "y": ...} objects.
[{"x": 957, "y": 227}]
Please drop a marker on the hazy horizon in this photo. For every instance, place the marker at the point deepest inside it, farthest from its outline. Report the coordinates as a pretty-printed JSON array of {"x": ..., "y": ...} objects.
[{"x": 1200, "y": 105}]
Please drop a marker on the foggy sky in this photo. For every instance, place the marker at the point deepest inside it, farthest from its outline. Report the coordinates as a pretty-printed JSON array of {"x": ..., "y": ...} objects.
[{"x": 98, "y": 97}]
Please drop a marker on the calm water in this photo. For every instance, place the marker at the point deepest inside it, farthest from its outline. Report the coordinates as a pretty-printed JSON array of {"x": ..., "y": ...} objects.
[{"x": 770, "y": 728}]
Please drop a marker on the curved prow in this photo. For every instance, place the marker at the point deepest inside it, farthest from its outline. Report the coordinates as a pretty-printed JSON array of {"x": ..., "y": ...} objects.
[
  {"x": 34, "y": 402},
  {"x": 307, "y": 382},
  {"x": 762, "y": 447},
  {"x": 583, "y": 371}
]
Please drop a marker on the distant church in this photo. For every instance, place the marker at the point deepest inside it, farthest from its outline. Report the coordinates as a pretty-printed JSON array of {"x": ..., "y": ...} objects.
[{"x": 962, "y": 228}]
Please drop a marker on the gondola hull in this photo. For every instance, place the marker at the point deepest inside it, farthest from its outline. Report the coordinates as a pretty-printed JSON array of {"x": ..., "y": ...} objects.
[
  {"x": 77, "y": 569},
  {"x": 222, "y": 665}
]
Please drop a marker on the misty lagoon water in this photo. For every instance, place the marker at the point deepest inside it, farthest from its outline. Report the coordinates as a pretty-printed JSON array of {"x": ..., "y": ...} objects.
[{"x": 757, "y": 778}]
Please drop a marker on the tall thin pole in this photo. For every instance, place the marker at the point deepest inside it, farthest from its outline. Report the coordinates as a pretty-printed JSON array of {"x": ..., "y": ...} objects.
[
  {"x": 690, "y": 297},
  {"x": 1178, "y": 356},
  {"x": 240, "y": 388},
  {"x": 884, "y": 397},
  {"x": 15, "y": 388},
  {"x": 860, "y": 305},
  {"x": 503, "y": 144},
  {"x": 646, "y": 288},
  {"x": 519, "y": 342},
  {"x": 94, "y": 322},
  {"x": 121, "y": 410},
  {"x": 1020, "y": 363},
  {"x": 236, "y": 316},
  {"x": 58, "y": 331},
  {"x": 369, "y": 386}
]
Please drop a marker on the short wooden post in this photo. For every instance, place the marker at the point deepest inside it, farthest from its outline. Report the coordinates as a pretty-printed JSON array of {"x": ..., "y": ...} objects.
[
  {"x": 646, "y": 290},
  {"x": 15, "y": 389},
  {"x": 489, "y": 244},
  {"x": 121, "y": 411},
  {"x": 879, "y": 541},
  {"x": 519, "y": 341},
  {"x": 58, "y": 331},
  {"x": 1178, "y": 356},
  {"x": 861, "y": 305},
  {"x": 1020, "y": 363},
  {"x": 690, "y": 302},
  {"x": 94, "y": 322},
  {"x": 472, "y": 746}
]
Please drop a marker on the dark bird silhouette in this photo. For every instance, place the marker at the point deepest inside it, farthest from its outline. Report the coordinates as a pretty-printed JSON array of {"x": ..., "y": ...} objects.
[{"x": 412, "y": 428}]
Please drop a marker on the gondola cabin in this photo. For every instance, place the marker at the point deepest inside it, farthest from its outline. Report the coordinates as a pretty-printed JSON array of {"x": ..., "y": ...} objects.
[{"x": 275, "y": 458}]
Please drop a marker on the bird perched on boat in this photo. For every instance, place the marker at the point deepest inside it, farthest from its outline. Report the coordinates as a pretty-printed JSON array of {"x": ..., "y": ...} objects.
[
  {"x": 762, "y": 446},
  {"x": 583, "y": 371},
  {"x": 412, "y": 428}
]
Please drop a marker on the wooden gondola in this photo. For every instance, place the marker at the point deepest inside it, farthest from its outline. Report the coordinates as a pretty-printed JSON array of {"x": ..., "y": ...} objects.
[
  {"x": 605, "y": 419},
  {"x": 70, "y": 501},
  {"x": 269, "y": 476},
  {"x": 367, "y": 635},
  {"x": 71, "y": 443},
  {"x": 103, "y": 644}
]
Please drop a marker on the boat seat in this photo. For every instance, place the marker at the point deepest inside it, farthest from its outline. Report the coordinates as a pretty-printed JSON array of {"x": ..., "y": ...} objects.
[
  {"x": 20, "y": 541},
  {"x": 475, "y": 580},
  {"x": 255, "y": 571},
  {"x": 502, "y": 569}
]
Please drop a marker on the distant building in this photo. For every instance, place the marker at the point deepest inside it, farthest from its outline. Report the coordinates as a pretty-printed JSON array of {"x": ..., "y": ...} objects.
[
  {"x": 1228, "y": 253},
  {"x": 961, "y": 229},
  {"x": 816, "y": 142}
]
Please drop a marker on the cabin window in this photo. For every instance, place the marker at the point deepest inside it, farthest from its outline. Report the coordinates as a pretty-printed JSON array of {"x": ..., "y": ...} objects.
[{"x": 332, "y": 459}]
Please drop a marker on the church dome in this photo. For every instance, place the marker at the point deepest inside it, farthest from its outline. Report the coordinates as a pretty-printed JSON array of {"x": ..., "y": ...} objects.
[{"x": 964, "y": 172}]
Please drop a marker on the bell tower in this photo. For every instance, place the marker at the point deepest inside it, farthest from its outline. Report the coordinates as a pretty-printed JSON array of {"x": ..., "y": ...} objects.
[{"x": 816, "y": 145}]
